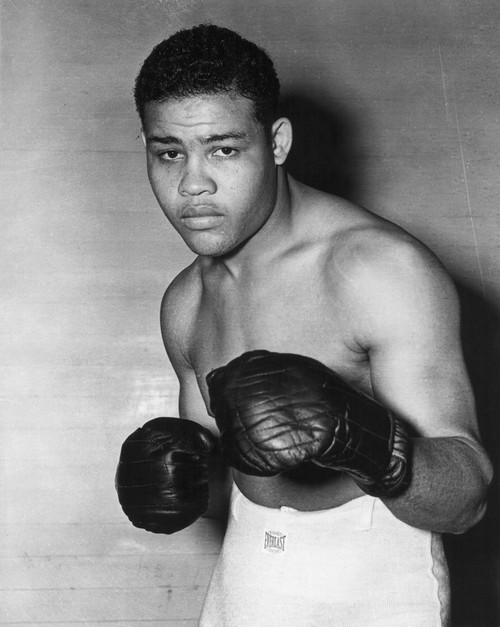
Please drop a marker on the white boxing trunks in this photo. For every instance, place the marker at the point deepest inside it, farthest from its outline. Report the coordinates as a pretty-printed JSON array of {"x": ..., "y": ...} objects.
[{"x": 353, "y": 565}]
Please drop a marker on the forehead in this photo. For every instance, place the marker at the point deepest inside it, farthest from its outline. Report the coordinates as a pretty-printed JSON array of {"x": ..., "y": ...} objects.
[{"x": 201, "y": 115}]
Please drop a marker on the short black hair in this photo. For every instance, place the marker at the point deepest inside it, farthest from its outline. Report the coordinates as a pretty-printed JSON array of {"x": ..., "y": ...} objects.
[{"x": 209, "y": 59}]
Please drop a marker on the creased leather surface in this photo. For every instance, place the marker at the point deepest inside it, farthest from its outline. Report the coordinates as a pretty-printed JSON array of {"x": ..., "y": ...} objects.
[
  {"x": 277, "y": 410},
  {"x": 162, "y": 475}
]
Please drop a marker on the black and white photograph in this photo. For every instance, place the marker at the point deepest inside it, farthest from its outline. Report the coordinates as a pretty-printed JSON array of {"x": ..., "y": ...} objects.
[{"x": 250, "y": 313}]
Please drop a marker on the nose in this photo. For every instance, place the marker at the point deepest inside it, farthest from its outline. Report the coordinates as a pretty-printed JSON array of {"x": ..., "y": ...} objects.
[{"x": 196, "y": 179}]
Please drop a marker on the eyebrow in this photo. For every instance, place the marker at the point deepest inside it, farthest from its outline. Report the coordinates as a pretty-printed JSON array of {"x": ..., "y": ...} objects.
[{"x": 170, "y": 139}]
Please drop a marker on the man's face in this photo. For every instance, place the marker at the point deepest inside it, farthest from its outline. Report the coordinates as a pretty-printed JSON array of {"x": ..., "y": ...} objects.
[{"x": 212, "y": 169}]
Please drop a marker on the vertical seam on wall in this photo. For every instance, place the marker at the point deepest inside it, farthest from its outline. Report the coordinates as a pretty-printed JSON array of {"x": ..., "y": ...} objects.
[{"x": 464, "y": 169}]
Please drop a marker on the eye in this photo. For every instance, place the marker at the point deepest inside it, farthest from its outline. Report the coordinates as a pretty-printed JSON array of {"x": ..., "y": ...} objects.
[
  {"x": 225, "y": 151},
  {"x": 171, "y": 155}
]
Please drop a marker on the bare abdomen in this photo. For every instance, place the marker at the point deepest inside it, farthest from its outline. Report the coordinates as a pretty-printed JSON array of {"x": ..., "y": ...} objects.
[{"x": 308, "y": 488}]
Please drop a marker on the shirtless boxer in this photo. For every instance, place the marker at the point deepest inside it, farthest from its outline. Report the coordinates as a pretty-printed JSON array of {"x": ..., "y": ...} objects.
[{"x": 291, "y": 284}]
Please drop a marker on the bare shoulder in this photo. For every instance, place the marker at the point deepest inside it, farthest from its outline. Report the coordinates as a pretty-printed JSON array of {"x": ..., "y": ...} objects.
[
  {"x": 394, "y": 282},
  {"x": 178, "y": 312},
  {"x": 385, "y": 259},
  {"x": 377, "y": 250},
  {"x": 365, "y": 248},
  {"x": 387, "y": 278}
]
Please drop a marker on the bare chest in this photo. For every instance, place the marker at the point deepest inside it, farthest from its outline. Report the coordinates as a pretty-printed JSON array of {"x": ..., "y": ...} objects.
[{"x": 289, "y": 313}]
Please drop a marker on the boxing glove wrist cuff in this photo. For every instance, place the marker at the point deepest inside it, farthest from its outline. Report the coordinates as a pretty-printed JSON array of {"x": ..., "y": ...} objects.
[{"x": 395, "y": 475}]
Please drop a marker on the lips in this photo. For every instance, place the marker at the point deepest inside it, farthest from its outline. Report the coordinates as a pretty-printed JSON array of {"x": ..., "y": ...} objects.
[{"x": 201, "y": 217}]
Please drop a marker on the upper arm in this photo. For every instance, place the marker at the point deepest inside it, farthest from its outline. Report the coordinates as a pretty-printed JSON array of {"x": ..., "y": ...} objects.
[
  {"x": 411, "y": 329},
  {"x": 177, "y": 317}
]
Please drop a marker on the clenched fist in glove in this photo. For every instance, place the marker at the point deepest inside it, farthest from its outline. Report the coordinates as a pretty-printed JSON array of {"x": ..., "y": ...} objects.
[
  {"x": 162, "y": 475},
  {"x": 277, "y": 410}
]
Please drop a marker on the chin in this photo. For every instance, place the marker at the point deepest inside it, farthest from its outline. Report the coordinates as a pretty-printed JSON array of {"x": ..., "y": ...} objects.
[{"x": 210, "y": 249}]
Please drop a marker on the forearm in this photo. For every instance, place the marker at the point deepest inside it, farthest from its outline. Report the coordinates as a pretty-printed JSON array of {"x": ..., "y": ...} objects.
[{"x": 447, "y": 493}]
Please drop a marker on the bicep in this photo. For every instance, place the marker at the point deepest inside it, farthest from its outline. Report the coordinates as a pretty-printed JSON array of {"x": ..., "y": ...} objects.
[
  {"x": 191, "y": 403},
  {"x": 416, "y": 360},
  {"x": 176, "y": 331},
  {"x": 426, "y": 384}
]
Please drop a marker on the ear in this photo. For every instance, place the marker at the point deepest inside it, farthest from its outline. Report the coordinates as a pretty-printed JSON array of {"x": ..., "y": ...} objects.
[{"x": 282, "y": 136}]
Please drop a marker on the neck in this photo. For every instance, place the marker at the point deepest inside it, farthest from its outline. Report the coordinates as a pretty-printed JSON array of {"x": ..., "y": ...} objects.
[{"x": 272, "y": 237}]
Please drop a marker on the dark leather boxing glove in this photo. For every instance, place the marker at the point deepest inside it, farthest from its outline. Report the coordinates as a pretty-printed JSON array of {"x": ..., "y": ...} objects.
[
  {"x": 162, "y": 475},
  {"x": 277, "y": 410}
]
